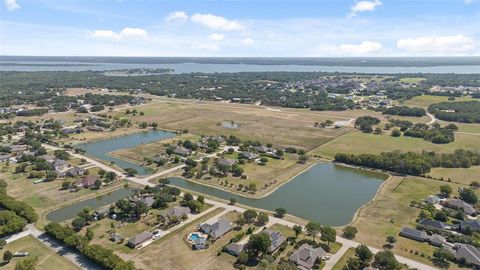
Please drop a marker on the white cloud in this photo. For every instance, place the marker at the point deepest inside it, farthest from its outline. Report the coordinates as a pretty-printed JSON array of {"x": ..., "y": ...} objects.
[
  {"x": 126, "y": 33},
  {"x": 363, "y": 6},
  {"x": 177, "y": 16},
  {"x": 247, "y": 41},
  {"x": 469, "y": 1},
  {"x": 12, "y": 5},
  {"x": 216, "y": 22},
  {"x": 217, "y": 36},
  {"x": 365, "y": 47},
  {"x": 437, "y": 44}
]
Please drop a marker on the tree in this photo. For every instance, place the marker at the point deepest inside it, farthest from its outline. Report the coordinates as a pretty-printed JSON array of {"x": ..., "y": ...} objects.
[
  {"x": 258, "y": 244},
  {"x": 187, "y": 197},
  {"x": 7, "y": 255},
  {"x": 280, "y": 212},
  {"x": 424, "y": 214},
  {"x": 468, "y": 195},
  {"x": 441, "y": 257},
  {"x": 446, "y": 190},
  {"x": 385, "y": 260},
  {"x": 262, "y": 218},
  {"x": 89, "y": 234},
  {"x": 391, "y": 240},
  {"x": 240, "y": 221},
  {"x": 78, "y": 223},
  {"x": 201, "y": 199},
  {"x": 27, "y": 264},
  {"x": 297, "y": 229},
  {"x": 396, "y": 133},
  {"x": 98, "y": 184},
  {"x": 194, "y": 206},
  {"x": 441, "y": 216},
  {"x": 313, "y": 228},
  {"x": 233, "y": 201},
  {"x": 349, "y": 232},
  {"x": 2, "y": 243},
  {"x": 143, "y": 125},
  {"x": 130, "y": 171},
  {"x": 250, "y": 215},
  {"x": 364, "y": 254},
  {"x": 66, "y": 185},
  {"x": 51, "y": 175},
  {"x": 242, "y": 258},
  {"x": 352, "y": 264},
  {"x": 328, "y": 234},
  {"x": 61, "y": 154}
]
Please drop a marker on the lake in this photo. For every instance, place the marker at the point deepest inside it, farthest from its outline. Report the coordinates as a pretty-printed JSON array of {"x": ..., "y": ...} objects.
[
  {"x": 327, "y": 193},
  {"x": 180, "y": 68},
  {"x": 100, "y": 149}
]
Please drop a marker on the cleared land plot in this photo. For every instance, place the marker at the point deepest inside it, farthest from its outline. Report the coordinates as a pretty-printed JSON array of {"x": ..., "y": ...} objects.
[
  {"x": 47, "y": 258},
  {"x": 391, "y": 210},
  {"x": 425, "y": 101},
  {"x": 460, "y": 175},
  {"x": 256, "y": 123},
  {"x": 173, "y": 252},
  {"x": 356, "y": 142}
]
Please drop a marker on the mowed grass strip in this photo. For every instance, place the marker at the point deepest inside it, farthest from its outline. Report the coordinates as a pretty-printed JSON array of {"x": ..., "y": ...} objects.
[{"x": 47, "y": 258}]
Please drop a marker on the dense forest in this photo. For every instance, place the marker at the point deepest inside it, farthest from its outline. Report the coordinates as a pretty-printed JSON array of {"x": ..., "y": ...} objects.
[
  {"x": 464, "y": 112},
  {"x": 405, "y": 111}
]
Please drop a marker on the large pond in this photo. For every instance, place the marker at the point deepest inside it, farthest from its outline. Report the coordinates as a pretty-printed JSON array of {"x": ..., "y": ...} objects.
[
  {"x": 71, "y": 211},
  {"x": 100, "y": 149},
  {"x": 326, "y": 193}
]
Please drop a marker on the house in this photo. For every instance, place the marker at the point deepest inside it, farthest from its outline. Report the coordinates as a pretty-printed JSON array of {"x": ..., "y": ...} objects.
[
  {"x": 468, "y": 253},
  {"x": 140, "y": 240},
  {"x": 306, "y": 255},
  {"x": 277, "y": 240},
  {"x": 87, "y": 181},
  {"x": 437, "y": 240},
  {"x": 18, "y": 148},
  {"x": 75, "y": 171},
  {"x": 4, "y": 158},
  {"x": 59, "y": 165},
  {"x": 21, "y": 129},
  {"x": 178, "y": 211},
  {"x": 262, "y": 149},
  {"x": 432, "y": 199},
  {"x": 461, "y": 205},
  {"x": 413, "y": 234},
  {"x": 96, "y": 128},
  {"x": 219, "y": 139},
  {"x": 226, "y": 162},
  {"x": 248, "y": 155},
  {"x": 472, "y": 225},
  {"x": 147, "y": 200},
  {"x": 115, "y": 238},
  {"x": 433, "y": 224},
  {"x": 235, "y": 249},
  {"x": 182, "y": 151},
  {"x": 217, "y": 229}
]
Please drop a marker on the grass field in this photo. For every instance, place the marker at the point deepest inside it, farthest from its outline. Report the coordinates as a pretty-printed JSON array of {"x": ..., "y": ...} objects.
[
  {"x": 343, "y": 260},
  {"x": 282, "y": 128},
  {"x": 391, "y": 210},
  {"x": 460, "y": 175},
  {"x": 356, "y": 142},
  {"x": 426, "y": 100},
  {"x": 47, "y": 258},
  {"x": 412, "y": 80}
]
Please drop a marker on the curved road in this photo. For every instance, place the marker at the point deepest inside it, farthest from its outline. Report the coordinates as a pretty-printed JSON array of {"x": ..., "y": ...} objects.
[{"x": 432, "y": 117}]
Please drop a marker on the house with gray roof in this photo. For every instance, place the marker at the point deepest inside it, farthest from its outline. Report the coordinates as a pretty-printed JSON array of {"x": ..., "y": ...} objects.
[
  {"x": 433, "y": 199},
  {"x": 460, "y": 205},
  {"x": 261, "y": 149},
  {"x": 248, "y": 155},
  {"x": 433, "y": 224},
  {"x": 182, "y": 151},
  {"x": 58, "y": 164},
  {"x": 226, "y": 162},
  {"x": 235, "y": 249},
  {"x": 140, "y": 240},
  {"x": 178, "y": 211},
  {"x": 87, "y": 181},
  {"x": 4, "y": 158},
  {"x": 437, "y": 240},
  {"x": 305, "y": 256},
  {"x": 217, "y": 229},
  {"x": 468, "y": 253},
  {"x": 414, "y": 234},
  {"x": 277, "y": 240},
  {"x": 75, "y": 171},
  {"x": 473, "y": 225},
  {"x": 147, "y": 200}
]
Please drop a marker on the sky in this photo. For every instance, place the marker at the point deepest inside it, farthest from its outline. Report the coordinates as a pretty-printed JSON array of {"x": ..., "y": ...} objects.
[{"x": 243, "y": 28}]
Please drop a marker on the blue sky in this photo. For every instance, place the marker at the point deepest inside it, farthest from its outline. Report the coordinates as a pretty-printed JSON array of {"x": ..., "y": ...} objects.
[{"x": 302, "y": 28}]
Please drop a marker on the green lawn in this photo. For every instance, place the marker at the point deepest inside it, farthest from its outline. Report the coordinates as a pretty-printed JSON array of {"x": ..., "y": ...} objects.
[
  {"x": 425, "y": 101},
  {"x": 343, "y": 260},
  {"x": 47, "y": 258},
  {"x": 357, "y": 142},
  {"x": 460, "y": 175}
]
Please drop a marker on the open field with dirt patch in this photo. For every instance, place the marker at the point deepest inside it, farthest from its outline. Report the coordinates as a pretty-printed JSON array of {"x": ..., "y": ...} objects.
[
  {"x": 391, "y": 210},
  {"x": 281, "y": 128},
  {"x": 47, "y": 258},
  {"x": 460, "y": 175},
  {"x": 356, "y": 142}
]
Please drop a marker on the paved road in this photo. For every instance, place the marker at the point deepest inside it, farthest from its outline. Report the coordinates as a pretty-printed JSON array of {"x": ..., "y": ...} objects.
[
  {"x": 68, "y": 253},
  {"x": 228, "y": 208}
]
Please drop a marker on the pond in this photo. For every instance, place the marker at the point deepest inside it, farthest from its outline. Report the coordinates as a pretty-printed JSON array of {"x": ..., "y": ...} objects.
[
  {"x": 326, "y": 193},
  {"x": 100, "y": 149},
  {"x": 71, "y": 211}
]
